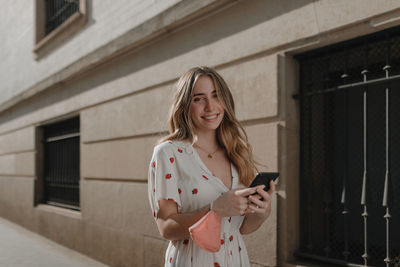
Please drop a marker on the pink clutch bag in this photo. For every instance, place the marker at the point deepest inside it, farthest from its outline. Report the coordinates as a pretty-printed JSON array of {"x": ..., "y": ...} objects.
[{"x": 206, "y": 232}]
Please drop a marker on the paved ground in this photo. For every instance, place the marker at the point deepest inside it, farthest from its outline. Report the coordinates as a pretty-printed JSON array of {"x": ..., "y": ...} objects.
[{"x": 22, "y": 248}]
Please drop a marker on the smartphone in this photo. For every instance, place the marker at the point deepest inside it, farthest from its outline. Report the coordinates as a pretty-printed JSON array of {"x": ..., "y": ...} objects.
[{"x": 264, "y": 178}]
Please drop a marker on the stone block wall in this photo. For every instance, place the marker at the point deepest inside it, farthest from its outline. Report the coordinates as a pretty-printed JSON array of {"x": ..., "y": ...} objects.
[{"x": 123, "y": 106}]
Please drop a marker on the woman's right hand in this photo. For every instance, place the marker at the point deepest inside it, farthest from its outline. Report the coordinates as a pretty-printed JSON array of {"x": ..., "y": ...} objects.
[{"x": 234, "y": 202}]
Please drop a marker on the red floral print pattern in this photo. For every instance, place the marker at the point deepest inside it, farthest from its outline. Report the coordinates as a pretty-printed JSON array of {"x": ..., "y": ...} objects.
[{"x": 167, "y": 172}]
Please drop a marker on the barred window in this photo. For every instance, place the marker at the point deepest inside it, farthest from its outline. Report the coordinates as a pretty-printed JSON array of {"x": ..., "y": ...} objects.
[
  {"x": 350, "y": 176},
  {"x": 57, "y": 20},
  {"x": 60, "y": 164},
  {"x": 58, "y": 11}
]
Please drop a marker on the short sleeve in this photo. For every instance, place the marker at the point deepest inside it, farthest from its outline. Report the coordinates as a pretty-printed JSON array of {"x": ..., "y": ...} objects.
[{"x": 162, "y": 179}]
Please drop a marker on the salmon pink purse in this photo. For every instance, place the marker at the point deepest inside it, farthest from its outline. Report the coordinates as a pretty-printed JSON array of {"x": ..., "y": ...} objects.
[{"x": 206, "y": 232}]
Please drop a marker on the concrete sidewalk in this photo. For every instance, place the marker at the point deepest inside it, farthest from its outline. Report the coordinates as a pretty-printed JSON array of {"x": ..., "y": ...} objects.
[{"x": 22, "y": 248}]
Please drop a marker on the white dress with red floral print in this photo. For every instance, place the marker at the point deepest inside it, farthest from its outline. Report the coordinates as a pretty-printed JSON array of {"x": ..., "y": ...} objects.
[{"x": 178, "y": 174}]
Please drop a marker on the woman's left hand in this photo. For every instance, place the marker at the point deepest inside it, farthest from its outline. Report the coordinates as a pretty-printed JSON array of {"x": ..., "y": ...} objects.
[{"x": 259, "y": 207}]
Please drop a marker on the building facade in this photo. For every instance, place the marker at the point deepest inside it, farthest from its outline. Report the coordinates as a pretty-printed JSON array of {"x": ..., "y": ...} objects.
[{"x": 85, "y": 98}]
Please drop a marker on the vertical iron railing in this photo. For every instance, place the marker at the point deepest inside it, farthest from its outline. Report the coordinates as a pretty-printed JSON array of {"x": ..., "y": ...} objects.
[
  {"x": 344, "y": 199},
  {"x": 385, "y": 202},
  {"x": 364, "y": 183},
  {"x": 350, "y": 106}
]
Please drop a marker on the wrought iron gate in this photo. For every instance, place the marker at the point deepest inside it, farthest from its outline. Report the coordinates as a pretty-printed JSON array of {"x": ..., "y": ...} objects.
[{"x": 350, "y": 151}]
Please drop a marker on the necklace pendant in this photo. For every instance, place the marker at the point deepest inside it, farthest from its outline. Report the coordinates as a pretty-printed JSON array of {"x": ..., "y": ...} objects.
[{"x": 209, "y": 156}]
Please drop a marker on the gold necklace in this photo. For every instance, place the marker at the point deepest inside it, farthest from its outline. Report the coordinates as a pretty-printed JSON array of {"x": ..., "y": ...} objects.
[{"x": 209, "y": 155}]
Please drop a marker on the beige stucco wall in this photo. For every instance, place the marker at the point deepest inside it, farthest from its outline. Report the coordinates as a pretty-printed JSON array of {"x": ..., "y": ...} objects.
[
  {"x": 123, "y": 107},
  {"x": 107, "y": 20}
]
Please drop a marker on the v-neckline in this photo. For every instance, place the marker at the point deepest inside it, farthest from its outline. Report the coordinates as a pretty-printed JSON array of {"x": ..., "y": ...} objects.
[{"x": 207, "y": 170}]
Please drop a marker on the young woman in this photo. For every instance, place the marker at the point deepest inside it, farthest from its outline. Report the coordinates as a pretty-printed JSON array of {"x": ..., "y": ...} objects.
[{"x": 205, "y": 163}]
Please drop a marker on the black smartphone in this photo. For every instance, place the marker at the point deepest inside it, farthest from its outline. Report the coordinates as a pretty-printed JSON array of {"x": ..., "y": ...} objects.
[{"x": 264, "y": 178}]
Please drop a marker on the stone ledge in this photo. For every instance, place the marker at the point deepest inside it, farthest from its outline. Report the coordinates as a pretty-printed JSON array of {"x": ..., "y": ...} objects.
[{"x": 60, "y": 211}]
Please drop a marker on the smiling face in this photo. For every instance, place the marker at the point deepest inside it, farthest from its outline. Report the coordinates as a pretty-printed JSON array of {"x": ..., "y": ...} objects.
[{"x": 206, "y": 109}]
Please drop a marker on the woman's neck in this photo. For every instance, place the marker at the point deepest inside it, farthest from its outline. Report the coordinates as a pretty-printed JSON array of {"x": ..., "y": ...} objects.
[{"x": 207, "y": 140}]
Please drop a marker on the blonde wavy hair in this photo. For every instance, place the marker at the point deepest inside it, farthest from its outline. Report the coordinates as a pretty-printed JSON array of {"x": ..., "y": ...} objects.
[{"x": 230, "y": 134}]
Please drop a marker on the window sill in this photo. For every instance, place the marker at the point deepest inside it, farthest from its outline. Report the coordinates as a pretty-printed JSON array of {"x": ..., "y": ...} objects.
[
  {"x": 60, "y": 211},
  {"x": 54, "y": 38}
]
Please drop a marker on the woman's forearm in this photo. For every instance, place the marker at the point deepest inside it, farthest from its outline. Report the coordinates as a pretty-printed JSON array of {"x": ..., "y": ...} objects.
[{"x": 176, "y": 226}]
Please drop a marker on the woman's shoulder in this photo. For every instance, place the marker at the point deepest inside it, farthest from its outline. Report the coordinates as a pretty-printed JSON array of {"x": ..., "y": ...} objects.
[{"x": 171, "y": 146}]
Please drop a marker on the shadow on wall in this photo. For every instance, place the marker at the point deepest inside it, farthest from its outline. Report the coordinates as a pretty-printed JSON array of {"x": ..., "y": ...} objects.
[{"x": 238, "y": 18}]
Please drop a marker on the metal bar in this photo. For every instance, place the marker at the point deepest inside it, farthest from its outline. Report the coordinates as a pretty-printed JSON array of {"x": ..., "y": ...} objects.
[
  {"x": 62, "y": 137},
  {"x": 364, "y": 184},
  {"x": 343, "y": 200},
  {"x": 385, "y": 201},
  {"x": 348, "y": 86}
]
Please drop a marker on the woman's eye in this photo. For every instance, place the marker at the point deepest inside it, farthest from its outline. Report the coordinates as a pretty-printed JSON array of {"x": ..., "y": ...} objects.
[{"x": 196, "y": 99}]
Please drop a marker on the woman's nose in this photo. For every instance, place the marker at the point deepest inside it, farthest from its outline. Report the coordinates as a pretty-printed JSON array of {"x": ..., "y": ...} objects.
[{"x": 209, "y": 105}]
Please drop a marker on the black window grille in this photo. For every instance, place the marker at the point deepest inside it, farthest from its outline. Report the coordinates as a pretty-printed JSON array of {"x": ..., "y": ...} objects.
[
  {"x": 350, "y": 152},
  {"x": 58, "y": 11},
  {"x": 61, "y": 163}
]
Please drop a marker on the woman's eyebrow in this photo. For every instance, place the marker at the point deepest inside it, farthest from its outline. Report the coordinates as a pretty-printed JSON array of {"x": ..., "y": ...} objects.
[
  {"x": 213, "y": 92},
  {"x": 198, "y": 94}
]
